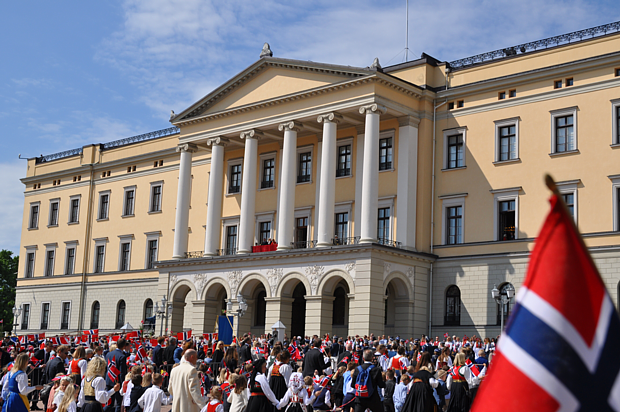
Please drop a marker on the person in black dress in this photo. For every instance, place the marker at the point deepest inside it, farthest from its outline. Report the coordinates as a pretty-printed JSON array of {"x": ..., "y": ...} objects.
[
  {"x": 231, "y": 359},
  {"x": 262, "y": 398},
  {"x": 279, "y": 374},
  {"x": 420, "y": 397}
]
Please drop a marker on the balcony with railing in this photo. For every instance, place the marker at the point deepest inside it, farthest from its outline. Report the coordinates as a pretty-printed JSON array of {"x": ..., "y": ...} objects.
[
  {"x": 345, "y": 241},
  {"x": 227, "y": 252},
  {"x": 389, "y": 242},
  {"x": 272, "y": 247},
  {"x": 303, "y": 244},
  {"x": 194, "y": 255}
]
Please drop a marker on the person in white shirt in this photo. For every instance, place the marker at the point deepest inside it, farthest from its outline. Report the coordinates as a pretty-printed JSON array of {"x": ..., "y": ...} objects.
[
  {"x": 153, "y": 398},
  {"x": 68, "y": 401},
  {"x": 126, "y": 391},
  {"x": 93, "y": 392},
  {"x": 65, "y": 381},
  {"x": 17, "y": 382}
]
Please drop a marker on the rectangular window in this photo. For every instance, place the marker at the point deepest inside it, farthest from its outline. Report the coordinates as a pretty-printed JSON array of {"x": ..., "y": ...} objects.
[
  {"x": 235, "y": 179},
  {"x": 383, "y": 224},
  {"x": 501, "y": 95},
  {"x": 99, "y": 258},
  {"x": 70, "y": 264},
  {"x": 152, "y": 254},
  {"x": 385, "y": 154},
  {"x": 34, "y": 217},
  {"x": 264, "y": 232},
  {"x": 125, "y": 250},
  {"x": 104, "y": 206},
  {"x": 564, "y": 134},
  {"x": 269, "y": 166},
  {"x": 45, "y": 315},
  {"x": 342, "y": 228},
  {"x": 25, "y": 316},
  {"x": 507, "y": 143},
  {"x": 343, "y": 167},
  {"x": 231, "y": 240},
  {"x": 129, "y": 202},
  {"x": 156, "y": 198},
  {"x": 455, "y": 152},
  {"x": 617, "y": 120},
  {"x": 454, "y": 225},
  {"x": 451, "y": 106},
  {"x": 74, "y": 213},
  {"x": 569, "y": 82},
  {"x": 64, "y": 320},
  {"x": 617, "y": 72},
  {"x": 569, "y": 199},
  {"x": 49, "y": 262},
  {"x": 305, "y": 167},
  {"x": 557, "y": 84},
  {"x": 29, "y": 265},
  {"x": 53, "y": 214},
  {"x": 512, "y": 93},
  {"x": 507, "y": 220},
  {"x": 460, "y": 103},
  {"x": 301, "y": 232}
]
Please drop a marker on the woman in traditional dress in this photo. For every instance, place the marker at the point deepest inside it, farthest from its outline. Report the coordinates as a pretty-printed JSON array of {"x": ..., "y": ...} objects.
[
  {"x": 17, "y": 386},
  {"x": 261, "y": 396},
  {"x": 279, "y": 374},
  {"x": 231, "y": 359},
  {"x": 93, "y": 393},
  {"x": 459, "y": 379},
  {"x": 444, "y": 359},
  {"x": 79, "y": 364},
  {"x": 296, "y": 396},
  {"x": 420, "y": 397}
]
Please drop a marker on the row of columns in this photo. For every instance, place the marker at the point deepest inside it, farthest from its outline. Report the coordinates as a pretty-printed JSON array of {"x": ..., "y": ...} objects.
[{"x": 286, "y": 203}]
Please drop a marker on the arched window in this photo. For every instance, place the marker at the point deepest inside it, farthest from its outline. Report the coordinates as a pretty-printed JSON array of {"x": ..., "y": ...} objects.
[
  {"x": 94, "y": 316},
  {"x": 120, "y": 314},
  {"x": 340, "y": 303},
  {"x": 453, "y": 306},
  {"x": 507, "y": 308},
  {"x": 149, "y": 320},
  {"x": 261, "y": 308}
]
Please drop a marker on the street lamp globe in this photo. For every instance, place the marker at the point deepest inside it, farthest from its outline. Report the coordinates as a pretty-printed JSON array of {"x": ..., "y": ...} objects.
[{"x": 495, "y": 292}]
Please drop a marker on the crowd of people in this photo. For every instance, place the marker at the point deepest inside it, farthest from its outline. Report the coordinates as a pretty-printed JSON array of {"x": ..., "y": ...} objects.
[{"x": 253, "y": 374}]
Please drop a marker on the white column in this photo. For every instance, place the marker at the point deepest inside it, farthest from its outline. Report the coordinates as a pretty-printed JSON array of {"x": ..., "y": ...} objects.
[
  {"x": 328, "y": 179},
  {"x": 370, "y": 179},
  {"x": 247, "y": 219},
  {"x": 181, "y": 220},
  {"x": 317, "y": 192},
  {"x": 214, "y": 206},
  {"x": 286, "y": 204},
  {"x": 359, "y": 170},
  {"x": 407, "y": 184}
]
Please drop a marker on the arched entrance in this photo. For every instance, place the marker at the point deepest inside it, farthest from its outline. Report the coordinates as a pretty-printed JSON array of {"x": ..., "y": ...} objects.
[
  {"x": 340, "y": 310},
  {"x": 180, "y": 300},
  {"x": 398, "y": 307},
  {"x": 254, "y": 292},
  {"x": 215, "y": 303},
  {"x": 298, "y": 313}
]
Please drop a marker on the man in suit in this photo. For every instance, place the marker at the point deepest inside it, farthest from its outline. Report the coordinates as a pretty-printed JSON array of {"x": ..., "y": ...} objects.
[
  {"x": 38, "y": 374},
  {"x": 314, "y": 360},
  {"x": 245, "y": 353},
  {"x": 120, "y": 359},
  {"x": 57, "y": 365},
  {"x": 374, "y": 401},
  {"x": 158, "y": 351},
  {"x": 185, "y": 385},
  {"x": 345, "y": 355},
  {"x": 167, "y": 356}
]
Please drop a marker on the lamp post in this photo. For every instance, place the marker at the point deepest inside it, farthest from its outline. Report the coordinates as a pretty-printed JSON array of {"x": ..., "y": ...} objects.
[
  {"x": 502, "y": 299},
  {"x": 17, "y": 311},
  {"x": 163, "y": 312},
  {"x": 243, "y": 307}
]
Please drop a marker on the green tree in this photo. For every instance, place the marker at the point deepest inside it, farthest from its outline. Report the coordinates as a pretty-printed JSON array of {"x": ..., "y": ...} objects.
[{"x": 8, "y": 282}]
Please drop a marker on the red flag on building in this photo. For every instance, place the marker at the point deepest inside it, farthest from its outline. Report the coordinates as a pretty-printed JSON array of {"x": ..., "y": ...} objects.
[{"x": 562, "y": 335}]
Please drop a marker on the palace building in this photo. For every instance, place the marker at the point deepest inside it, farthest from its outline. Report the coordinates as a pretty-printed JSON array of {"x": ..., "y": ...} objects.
[{"x": 397, "y": 197}]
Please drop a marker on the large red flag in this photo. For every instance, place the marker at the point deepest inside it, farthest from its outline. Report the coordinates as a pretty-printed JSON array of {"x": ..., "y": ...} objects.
[{"x": 559, "y": 350}]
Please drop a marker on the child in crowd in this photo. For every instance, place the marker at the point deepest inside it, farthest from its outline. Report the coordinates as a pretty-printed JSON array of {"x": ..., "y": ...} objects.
[
  {"x": 226, "y": 387},
  {"x": 388, "y": 391},
  {"x": 296, "y": 398},
  {"x": 126, "y": 392},
  {"x": 238, "y": 399},
  {"x": 50, "y": 400},
  {"x": 400, "y": 392},
  {"x": 65, "y": 381},
  {"x": 322, "y": 394},
  {"x": 153, "y": 398},
  {"x": 216, "y": 404},
  {"x": 309, "y": 388},
  {"x": 68, "y": 403}
]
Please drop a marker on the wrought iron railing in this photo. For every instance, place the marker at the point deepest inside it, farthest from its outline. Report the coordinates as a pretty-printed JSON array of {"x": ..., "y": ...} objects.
[
  {"x": 227, "y": 252},
  {"x": 194, "y": 255},
  {"x": 343, "y": 172},
  {"x": 59, "y": 155},
  {"x": 140, "y": 138},
  {"x": 538, "y": 44},
  {"x": 266, "y": 184},
  {"x": 305, "y": 244},
  {"x": 303, "y": 178},
  {"x": 389, "y": 242},
  {"x": 337, "y": 241},
  {"x": 452, "y": 320},
  {"x": 234, "y": 189}
]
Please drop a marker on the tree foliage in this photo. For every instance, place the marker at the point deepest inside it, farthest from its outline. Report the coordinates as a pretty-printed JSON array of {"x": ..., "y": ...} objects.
[{"x": 8, "y": 282}]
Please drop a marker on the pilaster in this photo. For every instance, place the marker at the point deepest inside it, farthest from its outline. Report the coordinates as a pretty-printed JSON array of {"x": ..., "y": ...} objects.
[{"x": 318, "y": 314}]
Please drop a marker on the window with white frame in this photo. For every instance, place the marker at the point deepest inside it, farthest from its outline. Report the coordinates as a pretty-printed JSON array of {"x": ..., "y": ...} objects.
[
  {"x": 343, "y": 158},
  {"x": 342, "y": 227},
  {"x": 506, "y": 213},
  {"x": 230, "y": 236},
  {"x": 301, "y": 236},
  {"x": 386, "y": 151},
  {"x": 235, "y": 168},
  {"x": 54, "y": 209},
  {"x": 33, "y": 220},
  {"x": 50, "y": 258},
  {"x": 129, "y": 201},
  {"x": 152, "y": 249},
  {"x": 156, "y": 197},
  {"x": 74, "y": 209},
  {"x": 45, "y": 315},
  {"x": 615, "y": 119},
  {"x": 385, "y": 221},
  {"x": 564, "y": 130},
  {"x": 99, "y": 258},
  {"x": 568, "y": 190},
  {"x": 25, "y": 316},
  {"x": 304, "y": 164},
  {"x": 70, "y": 252},
  {"x": 507, "y": 140},
  {"x": 453, "y": 218},
  {"x": 124, "y": 253},
  {"x": 264, "y": 227},
  {"x": 267, "y": 170},
  {"x": 104, "y": 205},
  {"x": 615, "y": 190},
  {"x": 30, "y": 258},
  {"x": 454, "y": 143},
  {"x": 65, "y": 315}
]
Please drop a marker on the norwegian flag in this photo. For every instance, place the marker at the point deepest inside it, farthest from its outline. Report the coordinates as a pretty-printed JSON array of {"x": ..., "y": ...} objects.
[
  {"x": 356, "y": 357},
  {"x": 91, "y": 332},
  {"x": 562, "y": 335},
  {"x": 325, "y": 381},
  {"x": 23, "y": 340},
  {"x": 445, "y": 335},
  {"x": 133, "y": 335},
  {"x": 472, "y": 366},
  {"x": 65, "y": 340},
  {"x": 141, "y": 353},
  {"x": 113, "y": 371},
  {"x": 153, "y": 342},
  {"x": 35, "y": 362},
  {"x": 183, "y": 336},
  {"x": 55, "y": 341}
]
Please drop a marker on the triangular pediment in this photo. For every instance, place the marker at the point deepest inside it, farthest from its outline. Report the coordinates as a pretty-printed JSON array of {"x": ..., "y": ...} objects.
[{"x": 267, "y": 79}]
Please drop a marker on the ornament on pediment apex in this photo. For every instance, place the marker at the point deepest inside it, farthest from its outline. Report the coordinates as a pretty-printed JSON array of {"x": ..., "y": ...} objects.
[
  {"x": 372, "y": 108},
  {"x": 252, "y": 134},
  {"x": 172, "y": 280},
  {"x": 266, "y": 52},
  {"x": 350, "y": 268},
  {"x": 187, "y": 147},
  {"x": 274, "y": 276},
  {"x": 314, "y": 274},
  {"x": 200, "y": 280},
  {"x": 234, "y": 280},
  {"x": 332, "y": 117},
  {"x": 218, "y": 141},
  {"x": 387, "y": 268},
  {"x": 375, "y": 64},
  {"x": 290, "y": 126}
]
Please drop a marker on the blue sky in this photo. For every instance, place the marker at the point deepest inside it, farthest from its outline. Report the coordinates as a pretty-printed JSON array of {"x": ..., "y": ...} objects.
[{"x": 79, "y": 72}]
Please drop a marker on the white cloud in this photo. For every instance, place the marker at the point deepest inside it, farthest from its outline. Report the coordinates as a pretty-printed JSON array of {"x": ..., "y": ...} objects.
[{"x": 11, "y": 204}]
